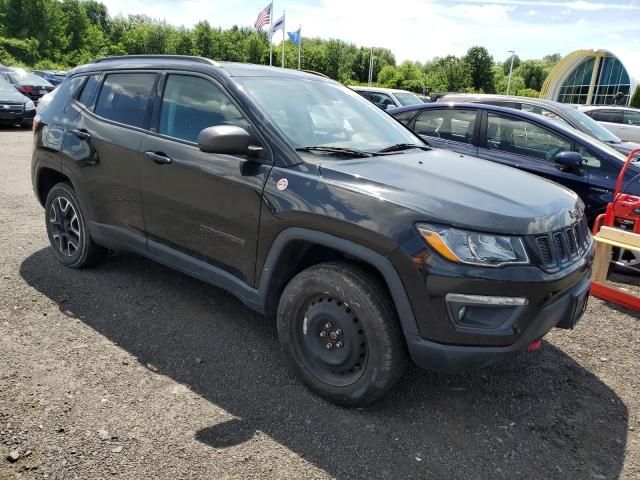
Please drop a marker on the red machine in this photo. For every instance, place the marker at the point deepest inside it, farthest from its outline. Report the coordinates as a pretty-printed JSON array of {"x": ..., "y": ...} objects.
[{"x": 624, "y": 211}]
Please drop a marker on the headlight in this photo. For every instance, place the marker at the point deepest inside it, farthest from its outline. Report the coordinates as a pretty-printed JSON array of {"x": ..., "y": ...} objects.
[
  {"x": 29, "y": 105},
  {"x": 474, "y": 248}
]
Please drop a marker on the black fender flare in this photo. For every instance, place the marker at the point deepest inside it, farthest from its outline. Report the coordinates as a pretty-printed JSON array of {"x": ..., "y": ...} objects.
[{"x": 365, "y": 254}]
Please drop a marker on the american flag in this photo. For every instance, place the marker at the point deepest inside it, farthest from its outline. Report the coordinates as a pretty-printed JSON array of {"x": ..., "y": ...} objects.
[{"x": 264, "y": 17}]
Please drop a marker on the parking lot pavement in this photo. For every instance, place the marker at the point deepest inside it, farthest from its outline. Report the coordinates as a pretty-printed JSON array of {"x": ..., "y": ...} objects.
[{"x": 131, "y": 370}]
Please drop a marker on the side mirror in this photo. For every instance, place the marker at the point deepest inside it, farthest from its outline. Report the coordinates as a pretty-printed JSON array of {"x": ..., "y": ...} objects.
[
  {"x": 571, "y": 161},
  {"x": 227, "y": 139},
  {"x": 389, "y": 106}
]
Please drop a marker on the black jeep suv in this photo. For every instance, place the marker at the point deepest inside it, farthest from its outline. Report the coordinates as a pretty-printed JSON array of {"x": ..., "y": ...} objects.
[{"x": 309, "y": 203}]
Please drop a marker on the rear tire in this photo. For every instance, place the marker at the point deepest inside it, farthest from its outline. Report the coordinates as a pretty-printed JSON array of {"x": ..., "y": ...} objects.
[
  {"x": 339, "y": 329},
  {"x": 68, "y": 231}
]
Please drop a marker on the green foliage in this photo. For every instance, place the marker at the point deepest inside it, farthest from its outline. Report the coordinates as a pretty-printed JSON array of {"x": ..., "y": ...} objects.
[
  {"x": 479, "y": 66},
  {"x": 64, "y": 33},
  {"x": 635, "y": 99},
  {"x": 532, "y": 73},
  {"x": 506, "y": 65}
]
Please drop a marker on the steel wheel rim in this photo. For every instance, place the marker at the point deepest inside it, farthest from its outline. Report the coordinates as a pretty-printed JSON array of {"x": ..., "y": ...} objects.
[
  {"x": 330, "y": 340},
  {"x": 66, "y": 232}
]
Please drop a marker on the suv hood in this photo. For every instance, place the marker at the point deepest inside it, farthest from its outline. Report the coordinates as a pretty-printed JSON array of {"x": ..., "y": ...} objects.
[{"x": 459, "y": 190}]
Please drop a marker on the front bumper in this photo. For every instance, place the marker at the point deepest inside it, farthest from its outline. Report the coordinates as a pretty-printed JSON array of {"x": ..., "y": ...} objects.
[
  {"x": 25, "y": 116},
  {"x": 564, "y": 311},
  {"x": 446, "y": 339}
]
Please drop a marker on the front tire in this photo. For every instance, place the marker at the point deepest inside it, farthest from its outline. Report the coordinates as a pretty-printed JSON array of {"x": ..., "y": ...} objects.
[
  {"x": 338, "y": 327},
  {"x": 67, "y": 229}
]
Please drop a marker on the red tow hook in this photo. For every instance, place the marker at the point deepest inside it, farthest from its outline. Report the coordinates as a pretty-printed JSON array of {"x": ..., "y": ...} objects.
[{"x": 535, "y": 345}]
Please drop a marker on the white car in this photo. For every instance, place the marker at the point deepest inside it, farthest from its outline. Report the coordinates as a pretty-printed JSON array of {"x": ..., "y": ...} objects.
[
  {"x": 387, "y": 97},
  {"x": 623, "y": 121}
]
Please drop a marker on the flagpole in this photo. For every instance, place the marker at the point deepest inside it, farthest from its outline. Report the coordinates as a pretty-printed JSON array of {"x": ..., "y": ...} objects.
[
  {"x": 299, "y": 44},
  {"x": 269, "y": 35},
  {"x": 283, "y": 32}
]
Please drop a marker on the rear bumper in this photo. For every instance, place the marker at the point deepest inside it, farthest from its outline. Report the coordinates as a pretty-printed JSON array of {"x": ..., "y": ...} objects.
[{"x": 562, "y": 311}]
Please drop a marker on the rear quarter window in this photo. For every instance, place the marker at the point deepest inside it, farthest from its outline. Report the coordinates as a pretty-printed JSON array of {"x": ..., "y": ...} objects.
[
  {"x": 89, "y": 90},
  {"x": 126, "y": 98}
]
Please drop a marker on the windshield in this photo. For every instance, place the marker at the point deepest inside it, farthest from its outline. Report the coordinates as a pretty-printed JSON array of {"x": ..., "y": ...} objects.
[
  {"x": 5, "y": 86},
  {"x": 406, "y": 98},
  {"x": 29, "y": 79},
  {"x": 590, "y": 126},
  {"x": 319, "y": 113}
]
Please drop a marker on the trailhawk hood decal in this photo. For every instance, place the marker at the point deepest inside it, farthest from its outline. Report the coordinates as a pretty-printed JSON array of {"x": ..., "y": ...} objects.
[{"x": 460, "y": 190}]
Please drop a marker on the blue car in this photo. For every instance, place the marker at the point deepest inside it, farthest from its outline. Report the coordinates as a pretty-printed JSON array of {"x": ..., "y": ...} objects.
[{"x": 526, "y": 141}]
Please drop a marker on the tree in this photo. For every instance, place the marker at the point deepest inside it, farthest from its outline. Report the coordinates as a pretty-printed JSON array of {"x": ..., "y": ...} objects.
[
  {"x": 98, "y": 15},
  {"x": 635, "y": 99},
  {"x": 532, "y": 74},
  {"x": 203, "y": 39},
  {"x": 507, "y": 64},
  {"x": 479, "y": 65},
  {"x": 552, "y": 59},
  {"x": 77, "y": 24}
]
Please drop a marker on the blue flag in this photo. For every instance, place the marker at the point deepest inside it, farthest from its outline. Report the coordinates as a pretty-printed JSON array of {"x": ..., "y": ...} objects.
[{"x": 295, "y": 36}]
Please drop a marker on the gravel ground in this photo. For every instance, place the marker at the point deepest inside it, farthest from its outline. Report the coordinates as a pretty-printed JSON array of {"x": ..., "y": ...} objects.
[{"x": 134, "y": 371}]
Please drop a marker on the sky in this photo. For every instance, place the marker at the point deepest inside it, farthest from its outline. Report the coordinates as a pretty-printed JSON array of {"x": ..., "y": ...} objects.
[{"x": 420, "y": 30}]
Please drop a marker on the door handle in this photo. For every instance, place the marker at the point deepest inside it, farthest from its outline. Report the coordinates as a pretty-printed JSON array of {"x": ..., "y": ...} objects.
[
  {"x": 158, "y": 157},
  {"x": 82, "y": 134}
]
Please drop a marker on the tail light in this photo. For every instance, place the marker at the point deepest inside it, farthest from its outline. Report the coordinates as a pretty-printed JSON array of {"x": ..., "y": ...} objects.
[{"x": 26, "y": 89}]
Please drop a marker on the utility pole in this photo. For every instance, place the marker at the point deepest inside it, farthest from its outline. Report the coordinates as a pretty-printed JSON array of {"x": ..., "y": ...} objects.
[
  {"x": 283, "y": 34},
  {"x": 371, "y": 66},
  {"x": 513, "y": 54}
]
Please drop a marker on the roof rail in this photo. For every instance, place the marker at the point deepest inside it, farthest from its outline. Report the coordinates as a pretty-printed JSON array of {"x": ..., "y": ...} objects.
[
  {"x": 208, "y": 61},
  {"x": 313, "y": 72}
]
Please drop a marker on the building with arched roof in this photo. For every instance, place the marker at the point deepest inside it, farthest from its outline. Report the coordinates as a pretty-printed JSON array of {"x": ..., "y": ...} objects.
[{"x": 593, "y": 77}]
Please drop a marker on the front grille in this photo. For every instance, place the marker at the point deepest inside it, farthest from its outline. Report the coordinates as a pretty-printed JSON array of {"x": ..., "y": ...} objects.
[
  {"x": 11, "y": 107},
  {"x": 562, "y": 246}
]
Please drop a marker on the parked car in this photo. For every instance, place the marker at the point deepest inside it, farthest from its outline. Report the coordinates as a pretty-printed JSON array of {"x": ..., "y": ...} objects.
[
  {"x": 364, "y": 243},
  {"x": 624, "y": 122},
  {"x": 561, "y": 112},
  {"x": 388, "y": 97},
  {"x": 27, "y": 83},
  {"x": 15, "y": 108},
  {"x": 54, "y": 77},
  {"x": 529, "y": 142}
]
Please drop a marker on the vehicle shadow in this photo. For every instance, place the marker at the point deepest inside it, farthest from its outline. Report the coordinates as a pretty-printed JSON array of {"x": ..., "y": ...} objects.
[{"x": 538, "y": 416}]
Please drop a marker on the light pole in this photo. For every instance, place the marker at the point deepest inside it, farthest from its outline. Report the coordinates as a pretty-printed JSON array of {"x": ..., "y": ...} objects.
[
  {"x": 513, "y": 54},
  {"x": 371, "y": 67}
]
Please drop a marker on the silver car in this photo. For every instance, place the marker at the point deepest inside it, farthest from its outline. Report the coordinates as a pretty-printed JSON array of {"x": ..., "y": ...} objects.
[
  {"x": 623, "y": 121},
  {"x": 388, "y": 97}
]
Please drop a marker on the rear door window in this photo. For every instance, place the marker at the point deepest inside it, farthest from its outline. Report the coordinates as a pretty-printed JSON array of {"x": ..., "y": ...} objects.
[
  {"x": 190, "y": 104},
  {"x": 453, "y": 125},
  {"x": 517, "y": 136},
  {"x": 126, "y": 98},
  {"x": 632, "y": 118},
  {"x": 611, "y": 116}
]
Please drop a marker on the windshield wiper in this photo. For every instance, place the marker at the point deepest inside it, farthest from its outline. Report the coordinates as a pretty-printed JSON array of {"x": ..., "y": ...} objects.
[
  {"x": 351, "y": 152},
  {"x": 402, "y": 146}
]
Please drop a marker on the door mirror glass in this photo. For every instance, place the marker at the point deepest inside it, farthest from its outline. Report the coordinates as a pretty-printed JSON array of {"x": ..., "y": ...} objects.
[
  {"x": 571, "y": 161},
  {"x": 227, "y": 139}
]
